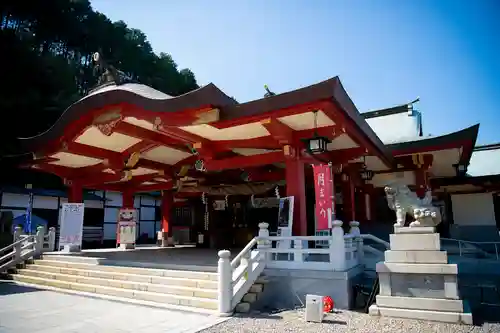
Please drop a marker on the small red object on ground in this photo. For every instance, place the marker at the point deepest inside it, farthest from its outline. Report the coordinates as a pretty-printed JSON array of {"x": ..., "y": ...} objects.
[{"x": 327, "y": 304}]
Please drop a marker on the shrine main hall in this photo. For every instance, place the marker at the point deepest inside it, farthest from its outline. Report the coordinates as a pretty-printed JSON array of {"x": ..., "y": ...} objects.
[{"x": 214, "y": 167}]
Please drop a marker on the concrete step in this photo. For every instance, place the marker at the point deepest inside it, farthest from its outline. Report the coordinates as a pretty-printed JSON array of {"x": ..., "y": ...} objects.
[
  {"x": 176, "y": 300},
  {"x": 153, "y": 272},
  {"x": 242, "y": 307},
  {"x": 141, "y": 286},
  {"x": 90, "y": 271}
]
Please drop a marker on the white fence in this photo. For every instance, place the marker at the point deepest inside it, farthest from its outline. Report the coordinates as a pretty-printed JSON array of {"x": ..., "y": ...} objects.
[
  {"x": 26, "y": 246},
  {"x": 344, "y": 251}
]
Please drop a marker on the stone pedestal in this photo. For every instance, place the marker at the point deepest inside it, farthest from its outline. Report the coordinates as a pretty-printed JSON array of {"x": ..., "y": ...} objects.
[
  {"x": 416, "y": 280},
  {"x": 127, "y": 246}
]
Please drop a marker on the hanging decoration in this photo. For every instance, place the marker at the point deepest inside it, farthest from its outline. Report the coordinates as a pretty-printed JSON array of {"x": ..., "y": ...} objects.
[
  {"x": 204, "y": 200},
  {"x": 277, "y": 192},
  {"x": 199, "y": 165},
  {"x": 252, "y": 200},
  {"x": 227, "y": 201}
]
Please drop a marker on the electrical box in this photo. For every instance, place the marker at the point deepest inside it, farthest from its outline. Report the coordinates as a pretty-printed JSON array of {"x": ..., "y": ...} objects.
[{"x": 314, "y": 308}]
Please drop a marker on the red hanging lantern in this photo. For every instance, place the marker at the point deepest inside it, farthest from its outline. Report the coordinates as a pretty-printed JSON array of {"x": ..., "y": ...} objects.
[{"x": 327, "y": 304}]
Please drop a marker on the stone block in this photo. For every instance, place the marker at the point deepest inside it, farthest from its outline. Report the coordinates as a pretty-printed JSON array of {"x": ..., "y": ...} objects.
[
  {"x": 414, "y": 230},
  {"x": 256, "y": 288},
  {"x": 416, "y": 257},
  {"x": 418, "y": 303},
  {"x": 242, "y": 308},
  {"x": 417, "y": 285},
  {"x": 250, "y": 298},
  {"x": 451, "y": 286},
  {"x": 439, "y": 316},
  {"x": 417, "y": 242},
  {"x": 443, "y": 269}
]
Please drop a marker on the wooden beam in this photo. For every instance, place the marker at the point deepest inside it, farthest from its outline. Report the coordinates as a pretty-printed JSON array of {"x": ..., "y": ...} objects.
[
  {"x": 150, "y": 136},
  {"x": 180, "y": 135},
  {"x": 155, "y": 187},
  {"x": 278, "y": 130},
  {"x": 140, "y": 147},
  {"x": 336, "y": 157},
  {"x": 242, "y": 162}
]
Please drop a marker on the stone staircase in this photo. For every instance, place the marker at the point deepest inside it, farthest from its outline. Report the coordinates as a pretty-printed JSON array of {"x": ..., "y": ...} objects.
[{"x": 194, "y": 291}]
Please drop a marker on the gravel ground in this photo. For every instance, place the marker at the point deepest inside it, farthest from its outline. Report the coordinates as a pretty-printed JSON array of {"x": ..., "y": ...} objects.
[{"x": 343, "y": 321}]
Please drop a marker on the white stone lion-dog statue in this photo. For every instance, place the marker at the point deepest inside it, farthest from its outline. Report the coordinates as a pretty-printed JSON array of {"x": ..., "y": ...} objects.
[{"x": 402, "y": 200}]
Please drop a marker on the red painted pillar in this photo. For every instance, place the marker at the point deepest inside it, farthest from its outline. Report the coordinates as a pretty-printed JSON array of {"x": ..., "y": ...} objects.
[
  {"x": 128, "y": 199},
  {"x": 370, "y": 202},
  {"x": 75, "y": 193},
  {"x": 167, "y": 204},
  {"x": 421, "y": 182},
  {"x": 348, "y": 199},
  {"x": 361, "y": 204},
  {"x": 296, "y": 187}
]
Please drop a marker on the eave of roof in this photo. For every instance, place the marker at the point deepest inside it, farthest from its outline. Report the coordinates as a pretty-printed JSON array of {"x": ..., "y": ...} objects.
[
  {"x": 385, "y": 112},
  {"x": 330, "y": 90},
  {"x": 426, "y": 144},
  {"x": 204, "y": 96}
]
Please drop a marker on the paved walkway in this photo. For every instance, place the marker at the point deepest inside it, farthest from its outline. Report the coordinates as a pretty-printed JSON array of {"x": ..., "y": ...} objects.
[{"x": 25, "y": 309}]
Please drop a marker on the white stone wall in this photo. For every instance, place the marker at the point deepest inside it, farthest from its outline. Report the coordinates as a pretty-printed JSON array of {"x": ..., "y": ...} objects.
[
  {"x": 473, "y": 209},
  {"x": 403, "y": 126}
]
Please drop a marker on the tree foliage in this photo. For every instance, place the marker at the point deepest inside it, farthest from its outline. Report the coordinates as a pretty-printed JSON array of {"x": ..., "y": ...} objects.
[{"x": 47, "y": 49}]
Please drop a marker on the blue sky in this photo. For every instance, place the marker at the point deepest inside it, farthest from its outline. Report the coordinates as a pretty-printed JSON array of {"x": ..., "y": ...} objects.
[{"x": 386, "y": 52}]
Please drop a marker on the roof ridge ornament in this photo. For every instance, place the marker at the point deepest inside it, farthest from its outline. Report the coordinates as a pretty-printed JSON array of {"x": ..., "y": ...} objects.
[
  {"x": 108, "y": 74},
  {"x": 268, "y": 93}
]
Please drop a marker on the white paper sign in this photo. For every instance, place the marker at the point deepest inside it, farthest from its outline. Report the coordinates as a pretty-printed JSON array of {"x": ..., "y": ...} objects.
[{"x": 71, "y": 232}]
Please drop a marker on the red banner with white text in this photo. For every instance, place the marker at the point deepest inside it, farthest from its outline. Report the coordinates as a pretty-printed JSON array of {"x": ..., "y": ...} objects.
[{"x": 323, "y": 189}]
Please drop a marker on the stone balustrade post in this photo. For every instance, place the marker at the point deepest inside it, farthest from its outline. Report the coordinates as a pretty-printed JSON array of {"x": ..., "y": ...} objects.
[
  {"x": 354, "y": 228},
  {"x": 225, "y": 283},
  {"x": 17, "y": 248},
  {"x": 358, "y": 241},
  {"x": 264, "y": 243},
  {"x": 298, "y": 256},
  {"x": 52, "y": 239},
  {"x": 337, "y": 246},
  {"x": 39, "y": 240}
]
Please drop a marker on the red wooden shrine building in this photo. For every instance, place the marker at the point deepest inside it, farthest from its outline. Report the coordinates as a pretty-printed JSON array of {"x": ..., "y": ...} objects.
[{"x": 131, "y": 138}]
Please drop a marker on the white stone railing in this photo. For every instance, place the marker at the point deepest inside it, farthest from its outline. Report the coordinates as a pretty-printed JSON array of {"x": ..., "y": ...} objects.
[
  {"x": 26, "y": 246},
  {"x": 345, "y": 251},
  {"x": 237, "y": 276}
]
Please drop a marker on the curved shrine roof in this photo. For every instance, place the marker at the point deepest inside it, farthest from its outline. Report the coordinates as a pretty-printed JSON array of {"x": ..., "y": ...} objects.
[{"x": 154, "y": 102}]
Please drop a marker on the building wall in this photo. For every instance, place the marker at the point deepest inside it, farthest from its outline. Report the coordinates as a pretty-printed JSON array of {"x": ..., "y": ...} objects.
[
  {"x": 396, "y": 127},
  {"x": 147, "y": 206},
  {"x": 148, "y": 218},
  {"x": 473, "y": 209},
  {"x": 474, "y": 217}
]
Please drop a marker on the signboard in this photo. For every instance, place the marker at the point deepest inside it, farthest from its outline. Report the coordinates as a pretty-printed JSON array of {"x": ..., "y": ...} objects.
[
  {"x": 71, "y": 232},
  {"x": 323, "y": 187},
  {"x": 285, "y": 220},
  {"x": 127, "y": 226}
]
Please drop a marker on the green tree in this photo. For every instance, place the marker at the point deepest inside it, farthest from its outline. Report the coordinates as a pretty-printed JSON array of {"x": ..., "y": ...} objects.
[{"x": 47, "y": 49}]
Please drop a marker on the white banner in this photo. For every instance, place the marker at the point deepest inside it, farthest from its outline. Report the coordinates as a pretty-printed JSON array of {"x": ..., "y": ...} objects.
[{"x": 71, "y": 232}]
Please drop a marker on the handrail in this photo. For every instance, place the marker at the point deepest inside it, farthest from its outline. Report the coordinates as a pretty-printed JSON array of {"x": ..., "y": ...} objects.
[
  {"x": 376, "y": 240},
  {"x": 25, "y": 247},
  {"x": 240, "y": 255},
  {"x": 468, "y": 242},
  {"x": 475, "y": 246},
  {"x": 304, "y": 238},
  {"x": 11, "y": 246}
]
